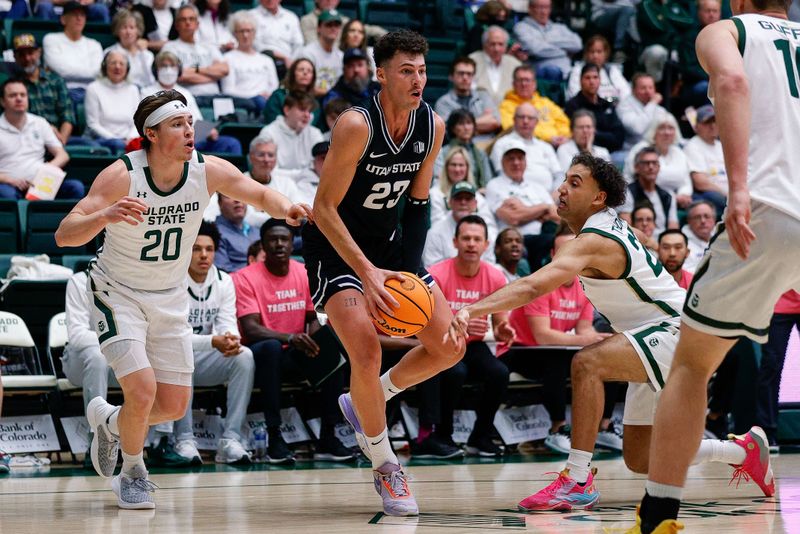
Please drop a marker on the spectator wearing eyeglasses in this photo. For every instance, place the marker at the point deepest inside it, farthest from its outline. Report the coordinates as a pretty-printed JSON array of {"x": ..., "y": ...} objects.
[
  {"x": 644, "y": 189},
  {"x": 706, "y": 162},
  {"x": 462, "y": 96},
  {"x": 701, "y": 217},
  {"x": 644, "y": 219}
]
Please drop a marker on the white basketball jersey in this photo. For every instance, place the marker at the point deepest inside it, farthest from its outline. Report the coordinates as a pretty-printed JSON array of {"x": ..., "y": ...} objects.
[
  {"x": 645, "y": 294},
  {"x": 771, "y": 51},
  {"x": 155, "y": 254},
  {"x": 212, "y": 304}
]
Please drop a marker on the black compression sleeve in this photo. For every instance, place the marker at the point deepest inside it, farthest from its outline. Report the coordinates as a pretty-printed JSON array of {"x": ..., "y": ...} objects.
[{"x": 416, "y": 220}]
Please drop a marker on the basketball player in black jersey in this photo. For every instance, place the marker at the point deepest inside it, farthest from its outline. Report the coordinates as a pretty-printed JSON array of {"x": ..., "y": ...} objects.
[{"x": 378, "y": 155}]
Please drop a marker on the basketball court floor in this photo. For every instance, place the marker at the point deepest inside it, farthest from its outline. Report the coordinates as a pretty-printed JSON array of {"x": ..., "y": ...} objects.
[{"x": 470, "y": 495}]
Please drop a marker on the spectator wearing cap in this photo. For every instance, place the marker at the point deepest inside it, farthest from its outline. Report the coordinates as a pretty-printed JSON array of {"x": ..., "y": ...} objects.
[
  {"x": 439, "y": 242},
  {"x": 251, "y": 76},
  {"x": 47, "y": 92},
  {"x": 279, "y": 32},
  {"x": 70, "y": 54},
  {"x": 24, "y": 140},
  {"x": 583, "y": 130},
  {"x": 308, "y": 22},
  {"x": 706, "y": 162},
  {"x": 462, "y": 96},
  {"x": 542, "y": 166},
  {"x": 517, "y": 200},
  {"x": 456, "y": 167},
  {"x": 610, "y": 133},
  {"x": 93, "y": 10},
  {"x": 494, "y": 68},
  {"x": 549, "y": 44},
  {"x": 324, "y": 52},
  {"x": 308, "y": 180},
  {"x": 355, "y": 85},
  {"x": 293, "y": 133}
]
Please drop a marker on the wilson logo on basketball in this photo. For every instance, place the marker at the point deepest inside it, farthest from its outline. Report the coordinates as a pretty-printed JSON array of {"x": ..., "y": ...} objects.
[{"x": 386, "y": 327}]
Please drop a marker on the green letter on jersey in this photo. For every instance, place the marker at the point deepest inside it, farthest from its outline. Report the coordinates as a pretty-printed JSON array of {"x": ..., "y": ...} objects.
[
  {"x": 784, "y": 46},
  {"x": 172, "y": 244}
]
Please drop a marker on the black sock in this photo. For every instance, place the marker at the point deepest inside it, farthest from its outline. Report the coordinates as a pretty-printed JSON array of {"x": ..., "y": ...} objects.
[{"x": 654, "y": 510}]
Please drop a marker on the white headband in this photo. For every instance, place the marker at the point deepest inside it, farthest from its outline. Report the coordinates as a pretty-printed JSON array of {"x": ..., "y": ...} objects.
[{"x": 166, "y": 111}]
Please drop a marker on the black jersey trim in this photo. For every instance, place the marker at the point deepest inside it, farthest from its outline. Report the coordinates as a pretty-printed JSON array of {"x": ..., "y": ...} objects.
[
  {"x": 412, "y": 119},
  {"x": 431, "y": 130}
]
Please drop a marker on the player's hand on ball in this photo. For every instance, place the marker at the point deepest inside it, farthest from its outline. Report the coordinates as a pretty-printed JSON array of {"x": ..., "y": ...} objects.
[
  {"x": 297, "y": 212},
  {"x": 457, "y": 331},
  {"x": 375, "y": 293},
  {"x": 126, "y": 209}
]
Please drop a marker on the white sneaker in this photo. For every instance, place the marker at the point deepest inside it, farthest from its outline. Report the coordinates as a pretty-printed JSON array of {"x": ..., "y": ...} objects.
[
  {"x": 230, "y": 451},
  {"x": 134, "y": 492},
  {"x": 187, "y": 448},
  {"x": 611, "y": 438},
  {"x": 559, "y": 440},
  {"x": 105, "y": 445}
]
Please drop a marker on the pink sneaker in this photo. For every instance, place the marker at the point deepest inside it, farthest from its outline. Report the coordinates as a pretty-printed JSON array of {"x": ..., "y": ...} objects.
[
  {"x": 563, "y": 494},
  {"x": 756, "y": 462}
]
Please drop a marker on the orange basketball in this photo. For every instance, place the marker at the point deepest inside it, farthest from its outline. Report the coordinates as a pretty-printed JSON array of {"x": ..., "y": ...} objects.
[{"x": 416, "y": 307}]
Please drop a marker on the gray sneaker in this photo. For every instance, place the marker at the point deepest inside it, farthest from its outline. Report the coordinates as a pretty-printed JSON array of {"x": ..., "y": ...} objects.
[
  {"x": 134, "y": 492},
  {"x": 105, "y": 445}
]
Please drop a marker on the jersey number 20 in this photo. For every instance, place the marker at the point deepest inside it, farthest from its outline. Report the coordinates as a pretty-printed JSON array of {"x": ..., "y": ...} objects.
[
  {"x": 169, "y": 251},
  {"x": 382, "y": 190}
]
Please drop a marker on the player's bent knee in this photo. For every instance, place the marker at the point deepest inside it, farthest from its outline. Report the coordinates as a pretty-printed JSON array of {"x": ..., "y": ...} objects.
[
  {"x": 583, "y": 364},
  {"x": 638, "y": 463}
]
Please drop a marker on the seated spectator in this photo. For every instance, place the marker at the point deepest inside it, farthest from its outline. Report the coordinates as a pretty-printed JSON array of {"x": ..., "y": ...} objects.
[
  {"x": 47, "y": 92},
  {"x": 640, "y": 109},
  {"x": 309, "y": 22},
  {"x": 355, "y": 85},
  {"x": 251, "y": 76},
  {"x": 128, "y": 28},
  {"x": 456, "y": 169},
  {"x": 461, "y": 133},
  {"x": 465, "y": 279},
  {"x": 673, "y": 249},
  {"x": 111, "y": 102},
  {"x": 583, "y": 132},
  {"x": 644, "y": 188},
  {"x": 491, "y": 13},
  {"x": 562, "y": 317},
  {"x": 613, "y": 85},
  {"x": 494, "y": 67},
  {"x": 644, "y": 219},
  {"x": 308, "y": 181},
  {"x": 331, "y": 110},
  {"x": 203, "y": 65},
  {"x": 293, "y": 133},
  {"x": 255, "y": 254},
  {"x": 664, "y": 136},
  {"x": 519, "y": 201},
  {"x": 161, "y": 22},
  {"x": 261, "y": 157},
  {"x": 324, "y": 52},
  {"x": 12, "y": 10},
  {"x": 354, "y": 35},
  {"x": 542, "y": 163},
  {"x": 24, "y": 140},
  {"x": 615, "y": 18},
  {"x": 701, "y": 217},
  {"x": 167, "y": 68},
  {"x": 508, "y": 251},
  {"x": 549, "y": 44},
  {"x": 236, "y": 235},
  {"x": 462, "y": 96},
  {"x": 610, "y": 133},
  {"x": 279, "y": 32},
  {"x": 706, "y": 161},
  {"x": 94, "y": 11},
  {"x": 301, "y": 77},
  {"x": 661, "y": 24},
  {"x": 275, "y": 311},
  {"x": 440, "y": 242},
  {"x": 214, "y": 21},
  {"x": 70, "y": 54},
  {"x": 694, "y": 80},
  {"x": 219, "y": 358},
  {"x": 554, "y": 126}
]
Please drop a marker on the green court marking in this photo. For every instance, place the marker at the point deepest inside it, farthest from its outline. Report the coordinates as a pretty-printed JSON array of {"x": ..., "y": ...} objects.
[{"x": 432, "y": 519}]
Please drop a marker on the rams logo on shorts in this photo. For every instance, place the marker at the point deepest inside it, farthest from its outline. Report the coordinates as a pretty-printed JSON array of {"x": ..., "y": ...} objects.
[
  {"x": 653, "y": 342},
  {"x": 101, "y": 326},
  {"x": 695, "y": 300}
]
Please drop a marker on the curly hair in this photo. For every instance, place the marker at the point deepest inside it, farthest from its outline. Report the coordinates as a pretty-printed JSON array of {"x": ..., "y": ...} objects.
[
  {"x": 607, "y": 176},
  {"x": 402, "y": 41}
]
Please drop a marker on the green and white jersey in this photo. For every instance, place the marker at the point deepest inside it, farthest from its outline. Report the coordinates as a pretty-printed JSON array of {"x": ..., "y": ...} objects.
[
  {"x": 155, "y": 254},
  {"x": 645, "y": 293},
  {"x": 771, "y": 51}
]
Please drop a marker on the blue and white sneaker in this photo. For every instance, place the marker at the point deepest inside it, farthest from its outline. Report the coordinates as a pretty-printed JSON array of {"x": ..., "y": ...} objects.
[
  {"x": 349, "y": 412},
  {"x": 563, "y": 494},
  {"x": 105, "y": 445},
  {"x": 134, "y": 492}
]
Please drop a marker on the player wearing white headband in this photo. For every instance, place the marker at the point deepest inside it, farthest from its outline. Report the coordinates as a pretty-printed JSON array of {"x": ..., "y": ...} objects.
[{"x": 150, "y": 203}]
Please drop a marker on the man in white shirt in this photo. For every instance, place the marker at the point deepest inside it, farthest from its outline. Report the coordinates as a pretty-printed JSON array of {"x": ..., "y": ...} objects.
[
  {"x": 644, "y": 189},
  {"x": 494, "y": 67},
  {"x": 72, "y": 56},
  {"x": 542, "y": 165},
  {"x": 219, "y": 358},
  {"x": 324, "y": 52},
  {"x": 24, "y": 139},
  {"x": 701, "y": 218},
  {"x": 639, "y": 109},
  {"x": 293, "y": 133},
  {"x": 278, "y": 31},
  {"x": 706, "y": 161},
  {"x": 203, "y": 65},
  {"x": 584, "y": 125}
]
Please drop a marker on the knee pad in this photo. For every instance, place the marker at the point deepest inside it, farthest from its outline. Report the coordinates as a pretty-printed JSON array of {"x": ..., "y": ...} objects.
[{"x": 126, "y": 356}]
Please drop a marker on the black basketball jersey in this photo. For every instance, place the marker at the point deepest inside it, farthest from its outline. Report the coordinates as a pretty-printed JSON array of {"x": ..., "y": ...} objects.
[{"x": 383, "y": 174}]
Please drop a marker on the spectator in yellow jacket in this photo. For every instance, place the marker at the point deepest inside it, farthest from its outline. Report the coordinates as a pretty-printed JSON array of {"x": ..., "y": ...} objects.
[{"x": 553, "y": 124}]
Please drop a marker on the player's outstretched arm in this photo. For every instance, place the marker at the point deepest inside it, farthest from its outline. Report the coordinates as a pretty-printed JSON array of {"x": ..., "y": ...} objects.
[
  {"x": 718, "y": 52},
  {"x": 106, "y": 203},
  {"x": 224, "y": 177}
]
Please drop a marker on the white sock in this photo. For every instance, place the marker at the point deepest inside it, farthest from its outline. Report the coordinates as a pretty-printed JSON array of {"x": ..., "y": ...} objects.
[
  {"x": 717, "y": 450},
  {"x": 129, "y": 461},
  {"x": 381, "y": 450},
  {"x": 389, "y": 389},
  {"x": 578, "y": 464},
  {"x": 663, "y": 491},
  {"x": 113, "y": 426}
]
